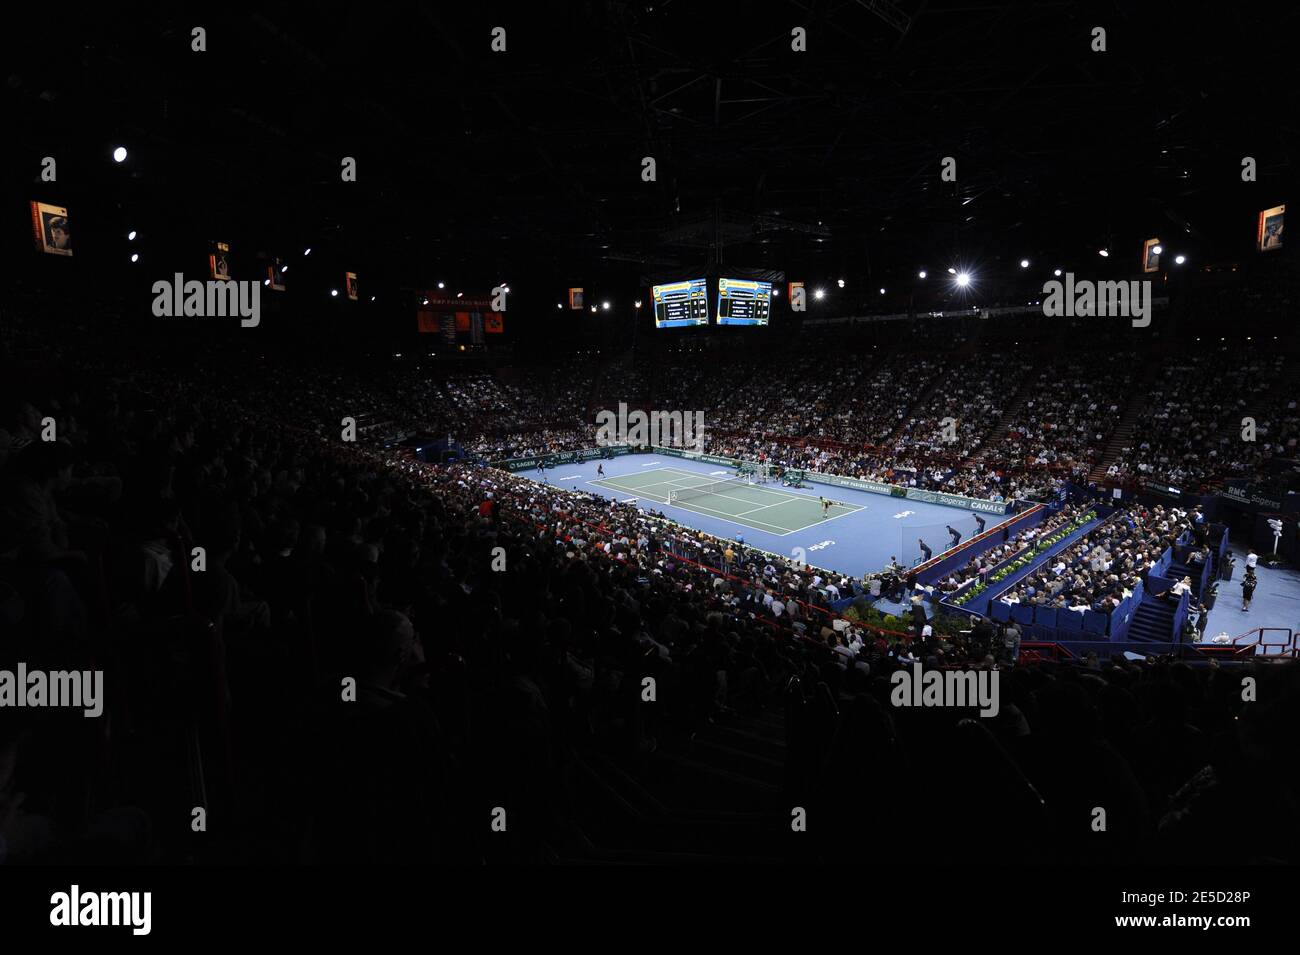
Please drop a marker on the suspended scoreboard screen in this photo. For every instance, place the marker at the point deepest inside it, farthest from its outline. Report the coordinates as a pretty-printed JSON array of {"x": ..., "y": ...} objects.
[
  {"x": 741, "y": 302},
  {"x": 681, "y": 303}
]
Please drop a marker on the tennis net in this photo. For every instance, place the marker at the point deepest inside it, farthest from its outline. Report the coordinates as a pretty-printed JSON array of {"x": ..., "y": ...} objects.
[{"x": 703, "y": 490}]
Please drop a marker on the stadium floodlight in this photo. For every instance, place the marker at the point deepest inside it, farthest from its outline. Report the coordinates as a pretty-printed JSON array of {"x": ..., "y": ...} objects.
[
  {"x": 460, "y": 294},
  {"x": 1024, "y": 263},
  {"x": 921, "y": 274},
  {"x": 135, "y": 256},
  {"x": 307, "y": 251},
  {"x": 119, "y": 154},
  {"x": 130, "y": 236},
  {"x": 882, "y": 291},
  {"x": 334, "y": 293},
  {"x": 1179, "y": 259},
  {"x": 1104, "y": 253},
  {"x": 951, "y": 270},
  {"x": 605, "y": 306},
  {"x": 819, "y": 294},
  {"x": 593, "y": 309},
  {"x": 776, "y": 292},
  {"x": 442, "y": 285},
  {"x": 840, "y": 283},
  {"x": 559, "y": 305},
  {"x": 1158, "y": 250},
  {"x": 424, "y": 301},
  {"x": 963, "y": 279},
  {"x": 285, "y": 268},
  {"x": 636, "y": 304},
  {"x": 1057, "y": 273},
  {"x": 372, "y": 298},
  {"x": 266, "y": 281}
]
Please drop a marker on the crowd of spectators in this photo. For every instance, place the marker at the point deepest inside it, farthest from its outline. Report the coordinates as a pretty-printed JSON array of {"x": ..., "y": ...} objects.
[
  {"x": 1101, "y": 569},
  {"x": 497, "y": 633},
  {"x": 979, "y": 566}
]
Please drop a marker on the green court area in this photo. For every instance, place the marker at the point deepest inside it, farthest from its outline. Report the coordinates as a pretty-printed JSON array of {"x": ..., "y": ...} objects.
[{"x": 760, "y": 506}]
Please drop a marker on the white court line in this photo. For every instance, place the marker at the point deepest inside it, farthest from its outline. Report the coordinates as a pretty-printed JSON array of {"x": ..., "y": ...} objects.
[
  {"x": 776, "y": 530},
  {"x": 569, "y": 477}
]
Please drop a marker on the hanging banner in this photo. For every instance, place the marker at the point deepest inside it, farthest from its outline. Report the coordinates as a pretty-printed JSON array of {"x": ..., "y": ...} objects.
[
  {"x": 1151, "y": 255},
  {"x": 219, "y": 261},
  {"x": 1268, "y": 231},
  {"x": 50, "y": 229}
]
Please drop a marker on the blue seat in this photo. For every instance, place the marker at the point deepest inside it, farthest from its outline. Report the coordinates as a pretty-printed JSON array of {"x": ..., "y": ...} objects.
[
  {"x": 1069, "y": 620},
  {"x": 1022, "y": 613},
  {"x": 1045, "y": 616},
  {"x": 1094, "y": 622}
]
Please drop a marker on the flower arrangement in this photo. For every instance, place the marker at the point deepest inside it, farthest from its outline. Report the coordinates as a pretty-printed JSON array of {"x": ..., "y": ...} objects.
[{"x": 1025, "y": 559}]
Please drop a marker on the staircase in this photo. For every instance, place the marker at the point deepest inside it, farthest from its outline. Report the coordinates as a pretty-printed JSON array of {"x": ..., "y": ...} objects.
[
  {"x": 939, "y": 381},
  {"x": 1153, "y": 621},
  {"x": 1120, "y": 438},
  {"x": 1177, "y": 571},
  {"x": 999, "y": 430},
  {"x": 1123, "y": 433}
]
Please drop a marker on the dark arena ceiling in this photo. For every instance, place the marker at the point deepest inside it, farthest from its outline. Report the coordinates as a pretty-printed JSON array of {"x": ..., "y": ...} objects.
[{"x": 525, "y": 166}]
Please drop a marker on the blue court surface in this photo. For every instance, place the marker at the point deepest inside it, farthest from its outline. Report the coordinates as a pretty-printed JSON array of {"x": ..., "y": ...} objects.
[{"x": 859, "y": 533}]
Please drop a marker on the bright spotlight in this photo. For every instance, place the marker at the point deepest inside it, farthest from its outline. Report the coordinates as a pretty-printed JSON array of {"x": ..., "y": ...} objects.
[
  {"x": 1104, "y": 253},
  {"x": 882, "y": 291},
  {"x": 951, "y": 270},
  {"x": 119, "y": 154},
  {"x": 593, "y": 309},
  {"x": 636, "y": 304},
  {"x": 130, "y": 236},
  {"x": 840, "y": 283},
  {"x": 559, "y": 305},
  {"x": 1158, "y": 250},
  {"x": 921, "y": 274},
  {"x": 1057, "y": 273},
  {"x": 605, "y": 306},
  {"x": 135, "y": 256},
  {"x": 266, "y": 281},
  {"x": 963, "y": 279},
  {"x": 307, "y": 251},
  {"x": 460, "y": 294},
  {"x": 819, "y": 294},
  {"x": 1024, "y": 263},
  {"x": 334, "y": 293},
  {"x": 1179, "y": 259},
  {"x": 285, "y": 268},
  {"x": 442, "y": 285}
]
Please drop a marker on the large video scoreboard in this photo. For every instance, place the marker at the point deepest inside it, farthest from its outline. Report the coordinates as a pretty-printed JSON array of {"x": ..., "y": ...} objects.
[
  {"x": 681, "y": 303},
  {"x": 741, "y": 302}
]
